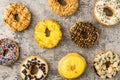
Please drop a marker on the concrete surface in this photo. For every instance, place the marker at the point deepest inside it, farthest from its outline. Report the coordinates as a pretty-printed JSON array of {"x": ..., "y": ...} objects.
[{"x": 109, "y": 39}]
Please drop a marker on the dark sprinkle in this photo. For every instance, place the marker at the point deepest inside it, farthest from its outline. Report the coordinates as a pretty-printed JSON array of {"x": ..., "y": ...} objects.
[
  {"x": 28, "y": 61},
  {"x": 26, "y": 66},
  {"x": 24, "y": 71},
  {"x": 38, "y": 61},
  {"x": 35, "y": 59}
]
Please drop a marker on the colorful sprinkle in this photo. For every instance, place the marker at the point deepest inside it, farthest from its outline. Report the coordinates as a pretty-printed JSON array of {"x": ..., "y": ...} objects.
[{"x": 9, "y": 51}]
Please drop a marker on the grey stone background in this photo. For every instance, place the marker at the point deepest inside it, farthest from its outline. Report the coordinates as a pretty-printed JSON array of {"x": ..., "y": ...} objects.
[{"x": 109, "y": 39}]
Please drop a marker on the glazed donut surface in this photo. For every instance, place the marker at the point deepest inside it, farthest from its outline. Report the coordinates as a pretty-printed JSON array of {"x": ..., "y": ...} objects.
[{"x": 107, "y": 12}]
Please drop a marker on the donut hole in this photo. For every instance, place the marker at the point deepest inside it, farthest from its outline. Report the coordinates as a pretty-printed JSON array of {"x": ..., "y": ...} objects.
[
  {"x": 34, "y": 69},
  {"x": 72, "y": 67},
  {"x": 17, "y": 18},
  {"x": 47, "y": 32},
  {"x": 62, "y": 2},
  {"x": 108, "y": 11},
  {"x": 107, "y": 64},
  {"x": 84, "y": 34},
  {"x": 5, "y": 52}
]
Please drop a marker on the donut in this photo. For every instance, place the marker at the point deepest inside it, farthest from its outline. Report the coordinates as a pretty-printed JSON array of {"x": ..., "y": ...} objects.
[
  {"x": 33, "y": 68},
  {"x": 107, "y": 12},
  {"x": 47, "y": 33},
  {"x": 9, "y": 52},
  {"x": 84, "y": 34},
  {"x": 106, "y": 64},
  {"x": 17, "y": 16},
  {"x": 71, "y": 66},
  {"x": 63, "y": 8}
]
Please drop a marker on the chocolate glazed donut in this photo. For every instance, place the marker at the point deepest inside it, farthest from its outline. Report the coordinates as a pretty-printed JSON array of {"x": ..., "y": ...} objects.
[{"x": 84, "y": 34}]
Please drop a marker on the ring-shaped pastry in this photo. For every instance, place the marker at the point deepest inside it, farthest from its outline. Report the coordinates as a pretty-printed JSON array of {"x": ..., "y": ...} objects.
[
  {"x": 17, "y": 16},
  {"x": 47, "y": 33},
  {"x": 84, "y": 34},
  {"x": 9, "y": 52},
  {"x": 106, "y": 64},
  {"x": 34, "y": 68},
  {"x": 107, "y": 12},
  {"x": 68, "y": 8}
]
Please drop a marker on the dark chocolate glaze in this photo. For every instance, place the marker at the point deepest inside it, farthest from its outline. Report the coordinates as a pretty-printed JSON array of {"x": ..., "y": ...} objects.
[{"x": 84, "y": 34}]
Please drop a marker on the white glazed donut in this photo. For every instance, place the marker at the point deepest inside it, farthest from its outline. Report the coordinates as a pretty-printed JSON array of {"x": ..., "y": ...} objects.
[
  {"x": 34, "y": 68},
  {"x": 101, "y": 16},
  {"x": 106, "y": 64}
]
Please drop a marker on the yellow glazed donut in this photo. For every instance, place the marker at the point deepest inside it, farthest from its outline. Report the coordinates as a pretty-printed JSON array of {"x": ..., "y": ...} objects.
[
  {"x": 61, "y": 9},
  {"x": 71, "y": 66},
  {"x": 17, "y": 16},
  {"x": 107, "y": 12},
  {"x": 47, "y": 33}
]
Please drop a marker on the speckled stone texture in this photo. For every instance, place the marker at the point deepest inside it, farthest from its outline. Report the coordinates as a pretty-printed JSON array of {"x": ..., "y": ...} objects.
[{"x": 109, "y": 39}]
